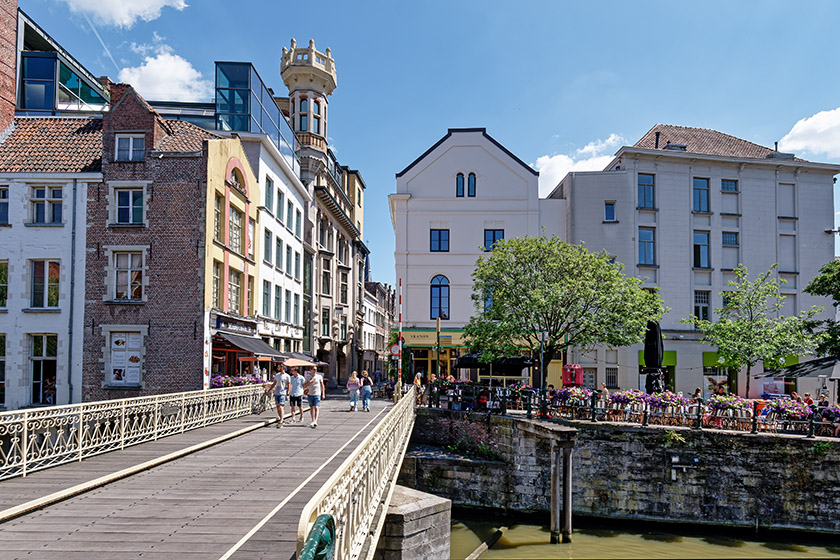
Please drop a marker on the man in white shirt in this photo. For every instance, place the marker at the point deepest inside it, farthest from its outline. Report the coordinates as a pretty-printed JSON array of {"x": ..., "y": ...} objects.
[
  {"x": 315, "y": 392},
  {"x": 281, "y": 387},
  {"x": 296, "y": 394}
]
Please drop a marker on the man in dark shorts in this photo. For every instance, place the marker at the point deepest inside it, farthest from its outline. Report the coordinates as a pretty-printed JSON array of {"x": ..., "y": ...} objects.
[
  {"x": 296, "y": 394},
  {"x": 281, "y": 387}
]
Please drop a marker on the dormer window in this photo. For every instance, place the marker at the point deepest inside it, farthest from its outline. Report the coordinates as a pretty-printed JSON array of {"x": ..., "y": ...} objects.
[
  {"x": 459, "y": 185},
  {"x": 131, "y": 147}
]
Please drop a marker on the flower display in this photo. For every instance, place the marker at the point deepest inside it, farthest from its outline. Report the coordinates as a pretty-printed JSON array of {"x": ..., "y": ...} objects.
[
  {"x": 720, "y": 403},
  {"x": 629, "y": 396},
  {"x": 665, "y": 399},
  {"x": 227, "y": 381},
  {"x": 574, "y": 396},
  {"x": 791, "y": 409},
  {"x": 831, "y": 413}
]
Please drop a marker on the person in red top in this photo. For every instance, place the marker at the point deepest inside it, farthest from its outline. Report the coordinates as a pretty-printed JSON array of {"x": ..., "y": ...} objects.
[{"x": 808, "y": 400}]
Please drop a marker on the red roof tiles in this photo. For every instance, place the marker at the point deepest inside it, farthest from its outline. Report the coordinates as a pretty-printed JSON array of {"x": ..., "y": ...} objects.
[
  {"x": 184, "y": 137},
  {"x": 53, "y": 145},
  {"x": 702, "y": 141}
]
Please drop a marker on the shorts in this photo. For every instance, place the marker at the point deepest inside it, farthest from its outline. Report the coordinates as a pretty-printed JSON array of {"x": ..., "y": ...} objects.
[
  {"x": 295, "y": 400},
  {"x": 314, "y": 400},
  {"x": 279, "y": 399}
]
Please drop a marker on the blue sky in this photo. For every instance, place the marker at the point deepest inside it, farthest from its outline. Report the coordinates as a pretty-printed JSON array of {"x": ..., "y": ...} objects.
[{"x": 560, "y": 84}]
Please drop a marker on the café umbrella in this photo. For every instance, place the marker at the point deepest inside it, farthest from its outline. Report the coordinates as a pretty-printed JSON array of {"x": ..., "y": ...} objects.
[{"x": 654, "y": 351}]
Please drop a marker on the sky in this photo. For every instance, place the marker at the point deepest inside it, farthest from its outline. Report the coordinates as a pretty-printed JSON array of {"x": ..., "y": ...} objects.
[{"x": 561, "y": 84}]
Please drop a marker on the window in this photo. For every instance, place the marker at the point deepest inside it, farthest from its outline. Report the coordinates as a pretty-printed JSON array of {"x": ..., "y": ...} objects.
[
  {"x": 729, "y": 185},
  {"x": 701, "y": 305},
  {"x": 325, "y": 322},
  {"x": 131, "y": 148},
  {"x": 731, "y": 256},
  {"x": 343, "y": 289},
  {"x": 290, "y": 214},
  {"x": 128, "y": 275},
  {"x": 129, "y": 206},
  {"x": 250, "y": 311},
  {"x": 611, "y": 377},
  {"x": 269, "y": 194},
  {"x": 730, "y": 238},
  {"x": 218, "y": 228},
  {"x": 440, "y": 297},
  {"x": 459, "y": 185},
  {"x": 278, "y": 253},
  {"x": 281, "y": 202},
  {"x": 646, "y": 198},
  {"x": 304, "y": 109},
  {"x": 278, "y": 302},
  {"x": 4, "y": 287},
  {"x": 609, "y": 211},
  {"x": 235, "y": 231},
  {"x": 266, "y": 307},
  {"x": 297, "y": 309},
  {"x": 2, "y": 370},
  {"x": 439, "y": 241},
  {"x": 316, "y": 119},
  {"x": 647, "y": 246},
  {"x": 288, "y": 306},
  {"x": 700, "y": 195},
  {"x": 342, "y": 327},
  {"x": 235, "y": 291},
  {"x": 325, "y": 278},
  {"x": 289, "y": 261},
  {"x": 217, "y": 284},
  {"x": 471, "y": 185},
  {"x": 297, "y": 222},
  {"x": 126, "y": 353},
  {"x": 46, "y": 205},
  {"x": 4, "y": 214},
  {"x": 44, "y": 351},
  {"x": 787, "y": 199},
  {"x": 701, "y": 249},
  {"x": 297, "y": 265},
  {"x": 252, "y": 227},
  {"x": 491, "y": 236},
  {"x": 38, "y": 82},
  {"x": 45, "y": 283},
  {"x": 267, "y": 245}
]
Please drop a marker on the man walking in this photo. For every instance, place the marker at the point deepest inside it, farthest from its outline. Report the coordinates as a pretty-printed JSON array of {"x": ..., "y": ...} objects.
[
  {"x": 296, "y": 395},
  {"x": 281, "y": 387},
  {"x": 315, "y": 391}
]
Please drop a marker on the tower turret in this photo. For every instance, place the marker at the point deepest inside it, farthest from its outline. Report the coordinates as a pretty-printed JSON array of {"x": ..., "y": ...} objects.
[{"x": 310, "y": 77}]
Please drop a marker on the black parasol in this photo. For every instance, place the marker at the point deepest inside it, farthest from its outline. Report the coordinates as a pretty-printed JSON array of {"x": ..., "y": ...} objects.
[{"x": 654, "y": 351}]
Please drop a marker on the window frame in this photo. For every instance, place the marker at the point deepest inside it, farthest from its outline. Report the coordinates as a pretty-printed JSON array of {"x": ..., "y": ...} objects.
[
  {"x": 41, "y": 359},
  {"x": 279, "y": 247},
  {"x": 132, "y": 149},
  {"x": 698, "y": 255},
  {"x": 439, "y": 233},
  {"x": 266, "y": 306},
  {"x": 494, "y": 233},
  {"x": 268, "y": 245},
  {"x": 217, "y": 293},
  {"x": 609, "y": 211},
  {"x": 48, "y": 285},
  {"x": 645, "y": 191},
  {"x": 724, "y": 182},
  {"x": 234, "y": 291},
  {"x": 269, "y": 194},
  {"x": 115, "y": 254},
  {"x": 439, "y": 292},
  {"x": 4, "y": 286},
  {"x": 459, "y": 185},
  {"x": 702, "y": 309},
  {"x": 325, "y": 322},
  {"x": 52, "y": 206},
  {"x": 471, "y": 185},
  {"x": 4, "y": 213},
  {"x": 649, "y": 247},
  {"x": 236, "y": 219},
  {"x": 700, "y": 187},
  {"x": 219, "y": 219},
  {"x": 278, "y": 302}
]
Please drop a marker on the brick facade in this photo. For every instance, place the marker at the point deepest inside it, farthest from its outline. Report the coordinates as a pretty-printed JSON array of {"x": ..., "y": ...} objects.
[{"x": 8, "y": 61}]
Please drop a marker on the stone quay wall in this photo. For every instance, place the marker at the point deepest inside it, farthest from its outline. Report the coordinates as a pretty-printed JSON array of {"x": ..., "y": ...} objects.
[{"x": 655, "y": 473}]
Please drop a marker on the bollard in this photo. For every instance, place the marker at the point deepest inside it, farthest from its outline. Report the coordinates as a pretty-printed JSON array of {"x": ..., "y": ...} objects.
[
  {"x": 698, "y": 422},
  {"x": 755, "y": 418},
  {"x": 594, "y": 405}
]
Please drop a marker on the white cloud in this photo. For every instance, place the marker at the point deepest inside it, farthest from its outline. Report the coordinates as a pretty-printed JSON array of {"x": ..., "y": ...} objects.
[
  {"x": 817, "y": 134},
  {"x": 589, "y": 158},
  {"x": 121, "y": 13},
  {"x": 164, "y": 75}
]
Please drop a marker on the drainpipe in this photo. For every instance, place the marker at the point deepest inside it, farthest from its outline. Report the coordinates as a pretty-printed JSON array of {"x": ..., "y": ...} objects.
[{"x": 72, "y": 297}]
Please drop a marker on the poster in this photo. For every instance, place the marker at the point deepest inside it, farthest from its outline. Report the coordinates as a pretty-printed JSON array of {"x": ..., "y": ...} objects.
[
  {"x": 126, "y": 358},
  {"x": 773, "y": 386}
]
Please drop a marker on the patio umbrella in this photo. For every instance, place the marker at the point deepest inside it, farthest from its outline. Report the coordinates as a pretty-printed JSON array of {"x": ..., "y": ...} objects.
[
  {"x": 654, "y": 351},
  {"x": 295, "y": 362}
]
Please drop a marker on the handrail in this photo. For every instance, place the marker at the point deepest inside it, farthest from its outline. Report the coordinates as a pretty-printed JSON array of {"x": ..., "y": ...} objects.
[
  {"x": 320, "y": 544},
  {"x": 39, "y": 438},
  {"x": 357, "y": 494}
]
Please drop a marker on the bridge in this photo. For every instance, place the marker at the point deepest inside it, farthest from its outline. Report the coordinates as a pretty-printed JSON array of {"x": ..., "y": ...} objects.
[{"x": 197, "y": 476}]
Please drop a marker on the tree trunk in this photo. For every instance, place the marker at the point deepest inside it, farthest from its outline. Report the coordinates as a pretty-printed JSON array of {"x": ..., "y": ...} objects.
[{"x": 748, "y": 380}]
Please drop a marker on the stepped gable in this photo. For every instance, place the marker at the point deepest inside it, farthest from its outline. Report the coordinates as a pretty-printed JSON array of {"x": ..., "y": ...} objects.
[
  {"x": 183, "y": 137},
  {"x": 703, "y": 141},
  {"x": 53, "y": 145}
]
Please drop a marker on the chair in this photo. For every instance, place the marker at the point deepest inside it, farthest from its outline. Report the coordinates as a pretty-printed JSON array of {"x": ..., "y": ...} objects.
[{"x": 767, "y": 421}]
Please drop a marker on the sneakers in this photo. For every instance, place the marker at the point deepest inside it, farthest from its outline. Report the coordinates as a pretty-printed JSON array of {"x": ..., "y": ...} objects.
[
  {"x": 279, "y": 424},
  {"x": 313, "y": 425}
]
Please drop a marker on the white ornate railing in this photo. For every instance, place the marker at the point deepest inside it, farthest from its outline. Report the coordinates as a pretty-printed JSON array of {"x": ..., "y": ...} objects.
[
  {"x": 39, "y": 438},
  {"x": 362, "y": 486}
]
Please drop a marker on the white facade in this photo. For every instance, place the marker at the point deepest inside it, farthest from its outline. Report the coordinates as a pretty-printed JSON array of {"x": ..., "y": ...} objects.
[
  {"x": 755, "y": 211},
  {"x": 369, "y": 333},
  {"x": 41, "y": 325},
  {"x": 281, "y": 208},
  {"x": 427, "y": 204}
]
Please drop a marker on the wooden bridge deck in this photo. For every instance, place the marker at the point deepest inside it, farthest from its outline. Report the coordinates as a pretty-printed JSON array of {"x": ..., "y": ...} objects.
[{"x": 238, "y": 499}]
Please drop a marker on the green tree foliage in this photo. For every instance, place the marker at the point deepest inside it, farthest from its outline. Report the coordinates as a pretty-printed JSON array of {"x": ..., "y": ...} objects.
[
  {"x": 531, "y": 285},
  {"x": 749, "y": 328},
  {"x": 827, "y": 283}
]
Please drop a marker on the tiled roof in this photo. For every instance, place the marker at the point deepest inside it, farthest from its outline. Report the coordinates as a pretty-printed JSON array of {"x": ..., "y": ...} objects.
[
  {"x": 702, "y": 141},
  {"x": 53, "y": 145},
  {"x": 185, "y": 137}
]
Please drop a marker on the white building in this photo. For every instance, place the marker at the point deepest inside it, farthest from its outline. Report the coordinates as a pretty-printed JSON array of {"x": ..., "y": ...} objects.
[
  {"x": 369, "y": 356},
  {"x": 682, "y": 208},
  {"x": 452, "y": 203},
  {"x": 284, "y": 198}
]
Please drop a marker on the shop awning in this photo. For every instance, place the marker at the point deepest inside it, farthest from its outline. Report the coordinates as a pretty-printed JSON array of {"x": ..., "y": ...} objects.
[
  {"x": 252, "y": 344},
  {"x": 828, "y": 368}
]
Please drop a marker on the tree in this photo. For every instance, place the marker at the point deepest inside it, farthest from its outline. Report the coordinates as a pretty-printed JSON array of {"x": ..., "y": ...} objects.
[
  {"x": 531, "y": 285},
  {"x": 827, "y": 283},
  {"x": 750, "y": 329}
]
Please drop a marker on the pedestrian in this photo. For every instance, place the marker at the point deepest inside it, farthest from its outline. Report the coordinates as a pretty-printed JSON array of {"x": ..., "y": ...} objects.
[
  {"x": 377, "y": 377},
  {"x": 296, "y": 394},
  {"x": 808, "y": 400},
  {"x": 605, "y": 393},
  {"x": 315, "y": 392},
  {"x": 698, "y": 394},
  {"x": 367, "y": 387},
  {"x": 353, "y": 385},
  {"x": 281, "y": 387},
  {"x": 418, "y": 386}
]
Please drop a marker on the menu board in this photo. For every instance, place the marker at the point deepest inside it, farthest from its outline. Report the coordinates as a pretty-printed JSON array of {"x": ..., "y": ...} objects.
[{"x": 126, "y": 358}]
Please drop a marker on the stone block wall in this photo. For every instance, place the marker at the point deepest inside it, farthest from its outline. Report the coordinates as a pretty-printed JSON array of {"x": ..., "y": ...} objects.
[
  {"x": 655, "y": 473},
  {"x": 416, "y": 527}
]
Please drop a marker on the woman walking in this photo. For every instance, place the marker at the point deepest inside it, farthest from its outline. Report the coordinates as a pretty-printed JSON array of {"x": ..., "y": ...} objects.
[
  {"x": 367, "y": 387},
  {"x": 353, "y": 385}
]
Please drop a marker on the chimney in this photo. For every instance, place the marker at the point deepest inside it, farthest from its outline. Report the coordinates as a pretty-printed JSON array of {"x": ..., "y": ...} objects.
[
  {"x": 656, "y": 146},
  {"x": 775, "y": 146},
  {"x": 8, "y": 61}
]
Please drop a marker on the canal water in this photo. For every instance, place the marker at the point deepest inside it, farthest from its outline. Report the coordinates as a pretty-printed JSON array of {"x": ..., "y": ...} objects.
[{"x": 612, "y": 541}]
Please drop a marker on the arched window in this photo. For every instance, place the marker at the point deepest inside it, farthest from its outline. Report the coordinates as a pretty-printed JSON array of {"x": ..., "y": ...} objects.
[
  {"x": 459, "y": 185},
  {"x": 471, "y": 185},
  {"x": 304, "y": 116},
  {"x": 440, "y": 297}
]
